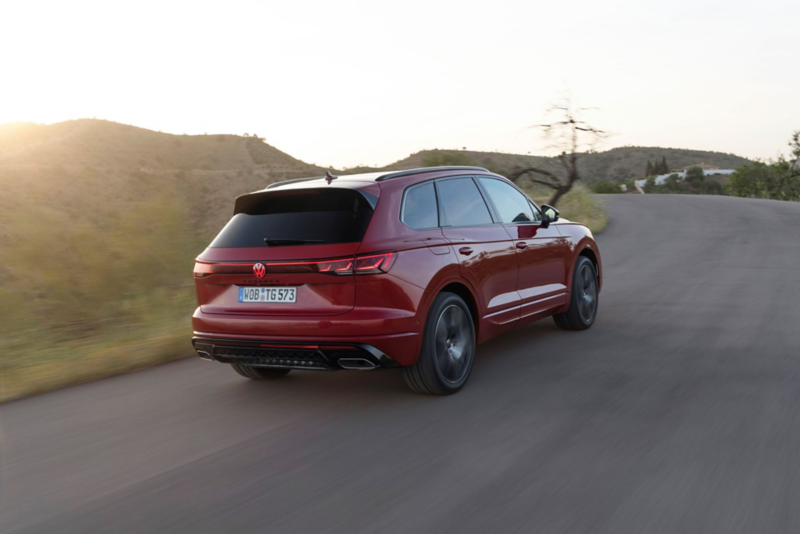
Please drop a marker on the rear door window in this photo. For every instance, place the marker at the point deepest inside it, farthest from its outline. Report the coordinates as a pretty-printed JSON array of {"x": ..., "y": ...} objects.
[
  {"x": 297, "y": 217},
  {"x": 511, "y": 205},
  {"x": 462, "y": 203},
  {"x": 419, "y": 207}
]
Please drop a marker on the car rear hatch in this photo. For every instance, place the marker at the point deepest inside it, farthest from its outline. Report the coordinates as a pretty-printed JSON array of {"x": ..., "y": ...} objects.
[{"x": 286, "y": 252}]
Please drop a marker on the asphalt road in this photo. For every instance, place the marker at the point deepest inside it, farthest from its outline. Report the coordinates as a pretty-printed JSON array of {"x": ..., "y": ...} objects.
[{"x": 679, "y": 411}]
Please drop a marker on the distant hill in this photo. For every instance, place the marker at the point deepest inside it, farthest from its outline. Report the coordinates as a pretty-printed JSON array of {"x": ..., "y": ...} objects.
[
  {"x": 110, "y": 145},
  {"x": 618, "y": 164},
  {"x": 105, "y": 144}
]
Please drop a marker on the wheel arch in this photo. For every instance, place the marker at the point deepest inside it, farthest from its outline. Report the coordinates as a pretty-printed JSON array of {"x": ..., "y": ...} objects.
[
  {"x": 588, "y": 250},
  {"x": 589, "y": 253},
  {"x": 466, "y": 295},
  {"x": 463, "y": 289}
]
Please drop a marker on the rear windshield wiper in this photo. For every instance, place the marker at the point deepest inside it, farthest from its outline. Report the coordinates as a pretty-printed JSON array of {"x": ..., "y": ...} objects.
[{"x": 277, "y": 241}]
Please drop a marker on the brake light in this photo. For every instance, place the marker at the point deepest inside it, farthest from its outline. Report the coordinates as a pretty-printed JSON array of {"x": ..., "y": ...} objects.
[{"x": 379, "y": 263}]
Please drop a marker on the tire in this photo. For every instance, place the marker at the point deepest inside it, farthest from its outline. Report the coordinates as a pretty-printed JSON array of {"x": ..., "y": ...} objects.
[
  {"x": 259, "y": 373},
  {"x": 448, "y": 348},
  {"x": 584, "y": 300}
]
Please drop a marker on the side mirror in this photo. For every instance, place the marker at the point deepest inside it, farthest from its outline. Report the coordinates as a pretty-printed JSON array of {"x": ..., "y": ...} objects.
[{"x": 549, "y": 215}]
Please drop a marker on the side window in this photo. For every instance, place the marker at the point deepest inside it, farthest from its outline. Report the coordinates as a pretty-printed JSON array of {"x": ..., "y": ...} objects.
[
  {"x": 419, "y": 207},
  {"x": 512, "y": 206},
  {"x": 462, "y": 203}
]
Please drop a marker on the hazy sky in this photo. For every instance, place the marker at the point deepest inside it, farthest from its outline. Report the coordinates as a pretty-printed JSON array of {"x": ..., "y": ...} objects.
[{"x": 342, "y": 82}]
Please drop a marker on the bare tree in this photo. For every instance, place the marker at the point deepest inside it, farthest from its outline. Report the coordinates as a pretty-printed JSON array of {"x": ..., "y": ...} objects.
[{"x": 572, "y": 137}]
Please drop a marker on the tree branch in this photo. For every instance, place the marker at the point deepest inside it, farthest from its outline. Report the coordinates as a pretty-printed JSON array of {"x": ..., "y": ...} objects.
[
  {"x": 516, "y": 175},
  {"x": 548, "y": 184}
]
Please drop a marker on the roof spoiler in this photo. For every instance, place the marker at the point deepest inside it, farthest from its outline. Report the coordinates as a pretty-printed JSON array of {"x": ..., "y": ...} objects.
[
  {"x": 243, "y": 201},
  {"x": 295, "y": 181}
]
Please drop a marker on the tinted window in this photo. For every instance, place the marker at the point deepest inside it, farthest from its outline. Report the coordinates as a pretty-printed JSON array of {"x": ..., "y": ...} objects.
[
  {"x": 462, "y": 203},
  {"x": 512, "y": 206},
  {"x": 298, "y": 216},
  {"x": 419, "y": 207}
]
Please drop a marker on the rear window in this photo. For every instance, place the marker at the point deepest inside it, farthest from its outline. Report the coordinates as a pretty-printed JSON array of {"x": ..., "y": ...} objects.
[{"x": 297, "y": 217}]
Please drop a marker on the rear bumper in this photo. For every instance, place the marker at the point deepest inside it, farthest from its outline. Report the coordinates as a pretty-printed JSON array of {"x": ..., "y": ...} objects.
[
  {"x": 320, "y": 356},
  {"x": 396, "y": 336}
]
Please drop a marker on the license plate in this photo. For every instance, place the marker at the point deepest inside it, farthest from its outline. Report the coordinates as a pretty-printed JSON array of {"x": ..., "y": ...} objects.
[{"x": 282, "y": 295}]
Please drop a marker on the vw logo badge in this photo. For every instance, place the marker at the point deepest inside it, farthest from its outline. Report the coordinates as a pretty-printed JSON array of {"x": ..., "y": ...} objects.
[{"x": 259, "y": 270}]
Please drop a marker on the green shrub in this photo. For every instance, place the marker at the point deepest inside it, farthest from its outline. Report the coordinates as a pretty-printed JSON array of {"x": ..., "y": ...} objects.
[
  {"x": 443, "y": 159},
  {"x": 779, "y": 180},
  {"x": 606, "y": 187},
  {"x": 694, "y": 174}
]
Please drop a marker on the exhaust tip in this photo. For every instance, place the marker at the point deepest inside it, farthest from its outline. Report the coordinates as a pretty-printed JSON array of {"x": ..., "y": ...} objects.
[
  {"x": 359, "y": 364},
  {"x": 204, "y": 351}
]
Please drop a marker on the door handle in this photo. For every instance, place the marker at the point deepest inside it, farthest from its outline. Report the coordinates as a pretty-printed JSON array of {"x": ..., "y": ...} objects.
[
  {"x": 466, "y": 251},
  {"x": 522, "y": 245}
]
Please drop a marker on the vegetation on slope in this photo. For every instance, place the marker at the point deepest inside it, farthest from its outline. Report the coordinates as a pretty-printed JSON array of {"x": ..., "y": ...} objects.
[
  {"x": 104, "y": 144},
  {"x": 94, "y": 276},
  {"x": 778, "y": 179},
  {"x": 579, "y": 205},
  {"x": 695, "y": 183},
  {"x": 617, "y": 165}
]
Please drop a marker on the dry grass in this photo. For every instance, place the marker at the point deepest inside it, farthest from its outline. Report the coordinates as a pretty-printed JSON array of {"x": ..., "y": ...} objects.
[
  {"x": 579, "y": 205},
  {"x": 94, "y": 276},
  {"x": 96, "y": 271}
]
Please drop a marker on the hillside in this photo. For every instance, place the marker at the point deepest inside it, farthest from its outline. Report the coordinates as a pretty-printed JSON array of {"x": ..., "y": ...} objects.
[
  {"x": 110, "y": 145},
  {"x": 82, "y": 161},
  {"x": 618, "y": 164}
]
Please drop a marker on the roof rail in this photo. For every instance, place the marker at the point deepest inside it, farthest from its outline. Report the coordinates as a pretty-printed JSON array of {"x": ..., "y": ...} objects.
[
  {"x": 429, "y": 169},
  {"x": 295, "y": 181}
]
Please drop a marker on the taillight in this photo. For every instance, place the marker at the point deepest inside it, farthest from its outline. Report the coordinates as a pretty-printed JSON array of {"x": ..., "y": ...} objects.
[
  {"x": 336, "y": 267},
  {"x": 202, "y": 270},
  {"x": 379, "y": 263}
]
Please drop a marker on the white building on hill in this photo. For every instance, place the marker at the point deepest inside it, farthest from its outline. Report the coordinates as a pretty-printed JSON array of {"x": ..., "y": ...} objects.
[{"x": 662, "y": 178}]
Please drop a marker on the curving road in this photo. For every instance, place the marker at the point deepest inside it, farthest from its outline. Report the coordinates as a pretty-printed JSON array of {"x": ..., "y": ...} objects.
[{"x": 678, "y": 412}]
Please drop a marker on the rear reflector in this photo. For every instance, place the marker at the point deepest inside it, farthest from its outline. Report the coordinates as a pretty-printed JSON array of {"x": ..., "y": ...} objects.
[{"x": 378, "y": 263}]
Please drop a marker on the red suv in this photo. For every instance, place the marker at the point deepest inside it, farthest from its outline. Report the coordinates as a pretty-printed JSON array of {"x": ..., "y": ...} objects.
[{"x": 406, "y": 269}]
